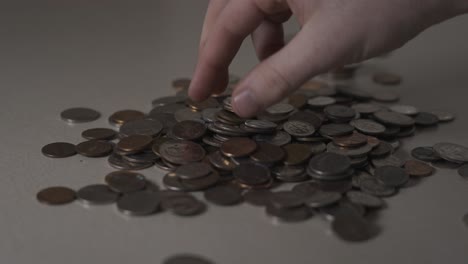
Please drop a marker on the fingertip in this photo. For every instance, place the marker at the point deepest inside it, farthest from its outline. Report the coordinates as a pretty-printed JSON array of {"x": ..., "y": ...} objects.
[{"x": 245, "y": 103}]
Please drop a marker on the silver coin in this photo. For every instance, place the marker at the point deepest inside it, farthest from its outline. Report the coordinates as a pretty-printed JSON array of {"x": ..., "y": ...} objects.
[
  {"x": 452, "y": 152},
  {"x": 209, "y": 114},
  {"x": 321, "y": 101},
  {"x": 193, "y": 170},
  {"x": 375, "y": 187},
  {"x": 126, "y": 181},
  {"x": 261, "y": 124},
  {"x": 368, "y": 126},
  {"x": 321, "y": 199},
  {"x": 299, "y": 128},
  {"x": 168, "y": 109},
  {"x": 394, "y": 118},
  {"x": 443, "y": 116},
  {"x": 139, "y": 203},
  {"x": 221, "y": 162},
  {"x": 350, "y": 152},
  {"x": 404, "y": 109},
  {"x": 366, "y": 108},
  {"x": 147, "y": 127},
  {"x": 280, "y": 109},
  {"x": 187, "y": 114},
  {"x": 181, "y": 151},
  {"x": 290, "y": 173}
]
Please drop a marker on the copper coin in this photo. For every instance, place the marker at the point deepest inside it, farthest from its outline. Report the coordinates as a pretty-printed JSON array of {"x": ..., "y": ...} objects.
[
  {"x": 351, "y": 141},
  {"x": 147, "y": 127},
  {"x": 134, "y": 143},
  {"x": 125, "y": 181},
  {"x": 189, "y": 130},
  {"x": 157, "y": 143},
  {"x": 297, "y": 153},
  {"x": 386, "y": 78},
  {"x": 122, "y": 117},
  {"x": 238, "y": 147},
  {"x": 268, "y": 153},
  {"x": 56, "y": 195},
  {"x": 193, "y": 170},
  {"x": 97, "y": 194},
  {"x": 418, "y": 168},
  {"x": 59, "y": 150},
  {"x": 94, "y": 148},
  {"x": 199, "y": 106},
  {"x": 181, "y": 151},
  {"x": 79, "y": 115},
  {"x": 252, "y": 174},
  {"x": 99, "y": 134},
  {"x": 221, "y": 162}
]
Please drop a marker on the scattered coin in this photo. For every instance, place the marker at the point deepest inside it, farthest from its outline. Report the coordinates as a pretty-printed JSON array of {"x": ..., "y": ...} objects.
[
  {"x": 364, "y": 199},
  {"x": 224, "y": 195},
  {"x": 452, "y": 152},
  {"x": 97, "y": 194},
  {"x": 189, "y": 130},
  {"x": 391, "y": 176},
  {"x": 99, "y": 134},
  {"x": 425, "y": 154},
  {"x": 193, "y": 170},
  {"x": 238, "y": 147},
  {"x": 134, "y": 143},
  {"x": 139, "y": 203},
  {"x": 56, "y": 195},
  {"x": 79, "y": 115},
  {"x": 463, "y": 171},
  {"x": 126, "y": 181},
  {"x": 94, "y": 148},
  {"x": 349, "y": 225},
  {"x": 418, "y": 168},
  {"x": 59, "y": 150},
  {"x": 121, "y": 117},
  {"x": 181, "y": 151}
]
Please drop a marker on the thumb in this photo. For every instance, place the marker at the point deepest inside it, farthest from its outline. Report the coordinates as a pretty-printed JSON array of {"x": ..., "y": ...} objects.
[{"x": 315, "y": 49}]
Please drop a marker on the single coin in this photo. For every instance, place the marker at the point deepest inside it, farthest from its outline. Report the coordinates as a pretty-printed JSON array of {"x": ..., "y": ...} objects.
[
  {"x": 260, "y": 124},
  {"x": 135, "y": 143},
  {"x": 321, "y": 199},
  {"x": 443, "y": 116},
  {"x": 386, "y": 78},
  {"x": 221, "y": 162},
  {"x": 252, "y": 174},
  {"x": 181, "y": 83},
  {"x": 79, "y": 115},
  {"x": 307, "y": 116},
  {"x": 146, "y": 127},
  {"x": 189, "y": 130},
  {"x": 289, "y": 214},
  {"x": 368, "y": 127},
  {"x": 426, "y": 119},
  {"x": 329, "y": 164},
  {"x": 339, "y": 112},
  {"x": 336, "y": 130},
  {"x": 297, "y": 154},
  {"x": 297, "y": 100},
  {"x": 181, "y": 151},
  {"x": 286, "y": 199},
  {"x": 224, "y": 195},
  {"x": 168, "y": 100},
  {"x": 185, "y": 114},
  {"x": 121, "y": 117},
  {"x": 125, "y": 181},
  {"x": 290, "y": 173},
  {"x": 385, "y": 96},
  {"x": 258, "y": 197},
  {"x": 97, "y": 194},
  {"x": 365, "y": 199},
  {"x": 280, "y": 109},
  {"x": 171, "y": 181},
  {"x": 356, "y": 152},
  {"x": 452, "y": 152},
  {"x": 238, "y": 147},
  {"x": 267, "y": 153},
  {"x": 375, "y": 187},
  {"x": 391, "y": 176},
  {"x": 141, "y": 157},
  {"x": 280, "y": 138},
  {"x": 425, "y": 153},
  {"x": 349, "y": 225},
  {"x": 299, "y": 128},
  {"x": 59, "y": 150},
  {"x": 185, "y": 207},
  {"x": 193, "y": 170},
  {"x": 167, "y": 109},
  {"x": 139, "y": 203},
  {"x": 94, "y": 148},
  {"x": 382, "y": 150},
  {"x": 463, "y": 171},
  {"x": 366, "y": 108},
  {"x": 321, "y": 101},
  {"x": 404, "y": 109},
  {"x": 390, "y": 160},
  {"x": 187, "y": 259},
  {"x": 394, "y": 118},
  {"x": 201, "y": 105},
  {"x": 351, "y": 141},
  {"x": 418, "y": 168},
  {"x": 56, "y": 195},
  {"x": 99, "y": 134}
]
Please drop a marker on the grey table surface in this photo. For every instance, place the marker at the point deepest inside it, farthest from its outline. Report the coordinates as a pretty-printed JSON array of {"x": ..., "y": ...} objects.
[{"x": 112, "y": 55}]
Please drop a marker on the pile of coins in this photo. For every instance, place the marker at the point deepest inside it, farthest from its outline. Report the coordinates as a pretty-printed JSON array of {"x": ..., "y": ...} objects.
[{"x": 328, "y": 150}]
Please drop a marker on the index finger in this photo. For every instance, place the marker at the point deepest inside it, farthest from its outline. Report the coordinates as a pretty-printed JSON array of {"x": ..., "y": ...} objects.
[{"x": 237, "y": 20}]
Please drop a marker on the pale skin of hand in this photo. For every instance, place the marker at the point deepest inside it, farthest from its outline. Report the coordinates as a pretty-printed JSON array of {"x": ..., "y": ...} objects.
[{"x": 333, "y": 33}]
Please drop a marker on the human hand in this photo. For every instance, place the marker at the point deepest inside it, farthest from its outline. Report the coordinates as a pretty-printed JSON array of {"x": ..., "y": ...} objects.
[{"x": 333, "y": 33}]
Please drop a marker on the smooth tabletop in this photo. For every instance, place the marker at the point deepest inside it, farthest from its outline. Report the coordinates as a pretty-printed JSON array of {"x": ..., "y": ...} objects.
[{"x": 114, "y": 55}]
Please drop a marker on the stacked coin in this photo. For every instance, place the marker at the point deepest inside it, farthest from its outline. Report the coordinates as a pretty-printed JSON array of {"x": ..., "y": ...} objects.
[{"x": 336, "y": 144}]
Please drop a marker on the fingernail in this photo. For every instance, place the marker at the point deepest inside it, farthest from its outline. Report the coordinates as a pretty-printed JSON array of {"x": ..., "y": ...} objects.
[{"x": 244, "y": 104}]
